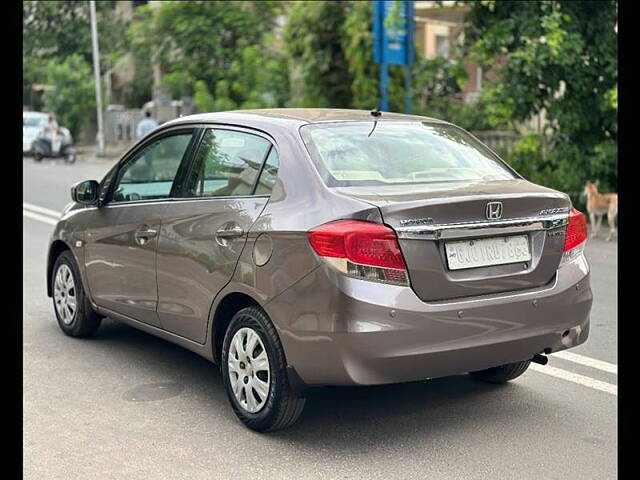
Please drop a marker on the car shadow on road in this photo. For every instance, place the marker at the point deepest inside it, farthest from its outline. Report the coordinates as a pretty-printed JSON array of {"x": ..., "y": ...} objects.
[
  {"x": 368, "y": 418},
  {"x": 335, "y": 418}
]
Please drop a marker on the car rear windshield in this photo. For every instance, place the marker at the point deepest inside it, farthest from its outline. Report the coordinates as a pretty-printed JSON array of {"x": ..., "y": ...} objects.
[{"x": 388, "y": 152}]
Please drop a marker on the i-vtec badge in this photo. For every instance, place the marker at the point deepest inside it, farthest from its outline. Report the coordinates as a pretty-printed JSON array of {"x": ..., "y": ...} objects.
[
  {"x": 416, "y": 221},
  {"x": 553, "y": 211},
  {"x": 494, "y": 210}
]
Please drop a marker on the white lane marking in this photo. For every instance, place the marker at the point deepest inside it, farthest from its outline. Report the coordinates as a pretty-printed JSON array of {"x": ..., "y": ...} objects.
[
  {"x": 575, "y": 378},
  {"x": 38, "y": 209},
  {"x": 587, "y": 361},
  {"x": 38, "y": 217}
]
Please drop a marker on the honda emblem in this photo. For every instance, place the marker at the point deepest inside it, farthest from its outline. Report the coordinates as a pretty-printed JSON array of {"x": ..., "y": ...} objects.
[{"x": 494, "y": 210}]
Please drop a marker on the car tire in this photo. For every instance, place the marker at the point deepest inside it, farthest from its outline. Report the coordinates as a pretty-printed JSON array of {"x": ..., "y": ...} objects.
[
  {"x": 280, "y": 407},
  {"x": 70, "y": 158},
  {"x": 502, "y": 373},
  {"x": 71, "y": 305},
  {"x": 37, "y": 157}
]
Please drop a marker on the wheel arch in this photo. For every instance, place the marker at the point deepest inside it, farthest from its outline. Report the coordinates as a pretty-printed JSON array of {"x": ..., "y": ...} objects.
[
  {"x": 55, "y": 250},
  {"x": 231, "y": 303}
]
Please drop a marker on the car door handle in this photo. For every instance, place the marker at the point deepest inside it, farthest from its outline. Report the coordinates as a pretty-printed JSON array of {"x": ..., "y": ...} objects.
[
  {"x": 236, "y": 231},
  {"x": 143, "y": 235},
  {"x": 147, "y": 233}
]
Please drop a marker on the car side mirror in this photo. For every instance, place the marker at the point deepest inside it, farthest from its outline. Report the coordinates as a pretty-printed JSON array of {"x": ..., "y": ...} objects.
[{"x": 85, "y": 192}]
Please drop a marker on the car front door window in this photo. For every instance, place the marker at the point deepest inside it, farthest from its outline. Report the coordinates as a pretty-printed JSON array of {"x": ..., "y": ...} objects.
[{"x": 150, "y": 174}]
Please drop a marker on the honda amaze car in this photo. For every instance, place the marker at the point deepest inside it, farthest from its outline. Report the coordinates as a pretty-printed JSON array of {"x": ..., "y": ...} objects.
[{"x": 309, "y": 247}]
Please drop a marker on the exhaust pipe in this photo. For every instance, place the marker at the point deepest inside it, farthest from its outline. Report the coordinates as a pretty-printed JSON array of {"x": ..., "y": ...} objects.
[{"x": 541, "y": 359}]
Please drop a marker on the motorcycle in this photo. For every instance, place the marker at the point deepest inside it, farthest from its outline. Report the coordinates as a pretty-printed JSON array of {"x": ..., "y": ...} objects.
[{"x": 58, "y": 145}]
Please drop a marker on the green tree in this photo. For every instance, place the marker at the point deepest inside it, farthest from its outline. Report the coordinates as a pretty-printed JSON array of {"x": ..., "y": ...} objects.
[
  {"x": 560, "y": 57},
  {"x": 223, "y": 101},
  {"x": 202, "y": 97},
  {"x": 313, "y": 36},
  {"x": 261, "y": 78},
  {"x": 202, "y": 41},
  {"x": 57, "y": 29},
  {"x": 178, "y": 83},
  {"x": 73, "y": 98},
  {"x": 437, "y": 84},
  {"x": 54, "y": 30},
  {"x": 357, "y": 44}
]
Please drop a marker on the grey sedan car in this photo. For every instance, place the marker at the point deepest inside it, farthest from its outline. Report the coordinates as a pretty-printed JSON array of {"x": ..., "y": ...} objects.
[{"x": 308, "y": 247}]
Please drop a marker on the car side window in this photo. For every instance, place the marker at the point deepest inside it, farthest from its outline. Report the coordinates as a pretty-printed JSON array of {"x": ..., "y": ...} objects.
[
  {"x": 269, "y": 174},
  {"x": 226, "y": 164},
  {"x": 150, "y": 174}
]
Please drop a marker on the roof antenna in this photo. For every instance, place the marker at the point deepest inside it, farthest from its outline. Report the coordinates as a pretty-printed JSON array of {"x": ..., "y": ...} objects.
[{"x": 375, "y": 113}]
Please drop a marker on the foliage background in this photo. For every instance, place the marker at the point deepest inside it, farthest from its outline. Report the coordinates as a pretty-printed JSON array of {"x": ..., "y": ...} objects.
[
  {"x": 560, "y": 57},
  {"x": 551, "y": 56}
]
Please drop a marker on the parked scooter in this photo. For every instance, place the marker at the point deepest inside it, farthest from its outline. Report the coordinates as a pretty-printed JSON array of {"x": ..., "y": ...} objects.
[{"x": 58, "y": 145}]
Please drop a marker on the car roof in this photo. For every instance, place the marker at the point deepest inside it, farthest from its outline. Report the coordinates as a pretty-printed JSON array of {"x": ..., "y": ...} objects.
[
  {"x": 297, "y": 116},
  {"x": 34, "y": 114}
]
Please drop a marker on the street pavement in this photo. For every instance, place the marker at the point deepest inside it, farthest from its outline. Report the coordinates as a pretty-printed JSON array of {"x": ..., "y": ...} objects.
[{"x": 126, "y": 405}]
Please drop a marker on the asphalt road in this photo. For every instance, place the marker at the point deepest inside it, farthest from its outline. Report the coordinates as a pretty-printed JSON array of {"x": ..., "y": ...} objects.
[{"x": 128, "y": 405}]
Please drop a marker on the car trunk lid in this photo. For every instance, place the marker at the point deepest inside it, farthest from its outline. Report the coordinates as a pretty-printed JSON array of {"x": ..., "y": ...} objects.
[{"x": 430, "y": 217}]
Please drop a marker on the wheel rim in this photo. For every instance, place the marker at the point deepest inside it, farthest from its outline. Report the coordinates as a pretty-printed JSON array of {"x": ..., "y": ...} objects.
[
  {"x": 248, "y": 367},
  {"x": 64, "y": 294}
]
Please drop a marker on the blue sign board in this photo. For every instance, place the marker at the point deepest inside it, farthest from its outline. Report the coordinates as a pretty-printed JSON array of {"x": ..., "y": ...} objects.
[
  {"x": 392, "y": 40},
  {"x": 393, "y": 43}
]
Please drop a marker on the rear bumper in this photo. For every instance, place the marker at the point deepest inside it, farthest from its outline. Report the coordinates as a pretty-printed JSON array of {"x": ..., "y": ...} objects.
[{"x": 341, "y": 331}]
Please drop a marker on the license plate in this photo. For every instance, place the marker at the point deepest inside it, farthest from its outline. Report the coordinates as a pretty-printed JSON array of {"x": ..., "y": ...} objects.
[{"x": 487, "y": 251}]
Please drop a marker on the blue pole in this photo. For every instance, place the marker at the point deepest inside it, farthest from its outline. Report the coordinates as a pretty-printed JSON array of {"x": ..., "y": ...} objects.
[
  {"x": 410, "y": 19},
  {"x": 384, "y": 66},
  {"x": 408, "y": 101},
  {"x": 384, "y": 80}
]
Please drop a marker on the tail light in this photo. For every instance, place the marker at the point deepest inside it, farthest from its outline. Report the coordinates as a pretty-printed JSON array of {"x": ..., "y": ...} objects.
[
  {"x": 360, "y": 249},
  {"x": 575, "y": 237}
]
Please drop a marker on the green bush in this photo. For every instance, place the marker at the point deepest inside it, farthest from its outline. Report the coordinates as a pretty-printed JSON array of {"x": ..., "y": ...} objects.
[{"x": 73, "y": 96}]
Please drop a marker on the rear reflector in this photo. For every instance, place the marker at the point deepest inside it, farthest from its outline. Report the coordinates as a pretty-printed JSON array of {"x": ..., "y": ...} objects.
[
  {"x": 575, "y": 237},
  {"x": 365, "y": 250}
]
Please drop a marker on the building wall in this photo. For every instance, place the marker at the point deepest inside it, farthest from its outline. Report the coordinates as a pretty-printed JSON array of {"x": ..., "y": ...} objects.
[{"x": 439, "y": 31}]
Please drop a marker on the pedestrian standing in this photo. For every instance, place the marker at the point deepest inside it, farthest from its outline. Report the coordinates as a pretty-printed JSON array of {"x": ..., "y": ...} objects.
[{"x": 146, "y": 125}]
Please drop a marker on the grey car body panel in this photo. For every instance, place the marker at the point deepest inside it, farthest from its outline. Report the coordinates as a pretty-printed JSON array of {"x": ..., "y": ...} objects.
[
  {"x": 336, "y": 329},
  {"x": 191, "y": 266},
  {"x": 339, "y": 330},
  {"x": 120, "y": 271}
]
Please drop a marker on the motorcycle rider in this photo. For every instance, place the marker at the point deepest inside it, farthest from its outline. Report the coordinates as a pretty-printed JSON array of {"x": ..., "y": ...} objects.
[
  {"x": 54, "y": 141},
  {"x": 52, "y": 133}
]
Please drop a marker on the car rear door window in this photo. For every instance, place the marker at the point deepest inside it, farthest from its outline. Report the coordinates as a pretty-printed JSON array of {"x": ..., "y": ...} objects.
[
  {"x": 151, "y": 172},
  {"x": 269, "y": 174},
  {"x": 227, "y": 163}
]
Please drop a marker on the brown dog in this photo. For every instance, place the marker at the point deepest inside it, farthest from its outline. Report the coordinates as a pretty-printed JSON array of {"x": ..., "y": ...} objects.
[{"x": 598, "y": 205}]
